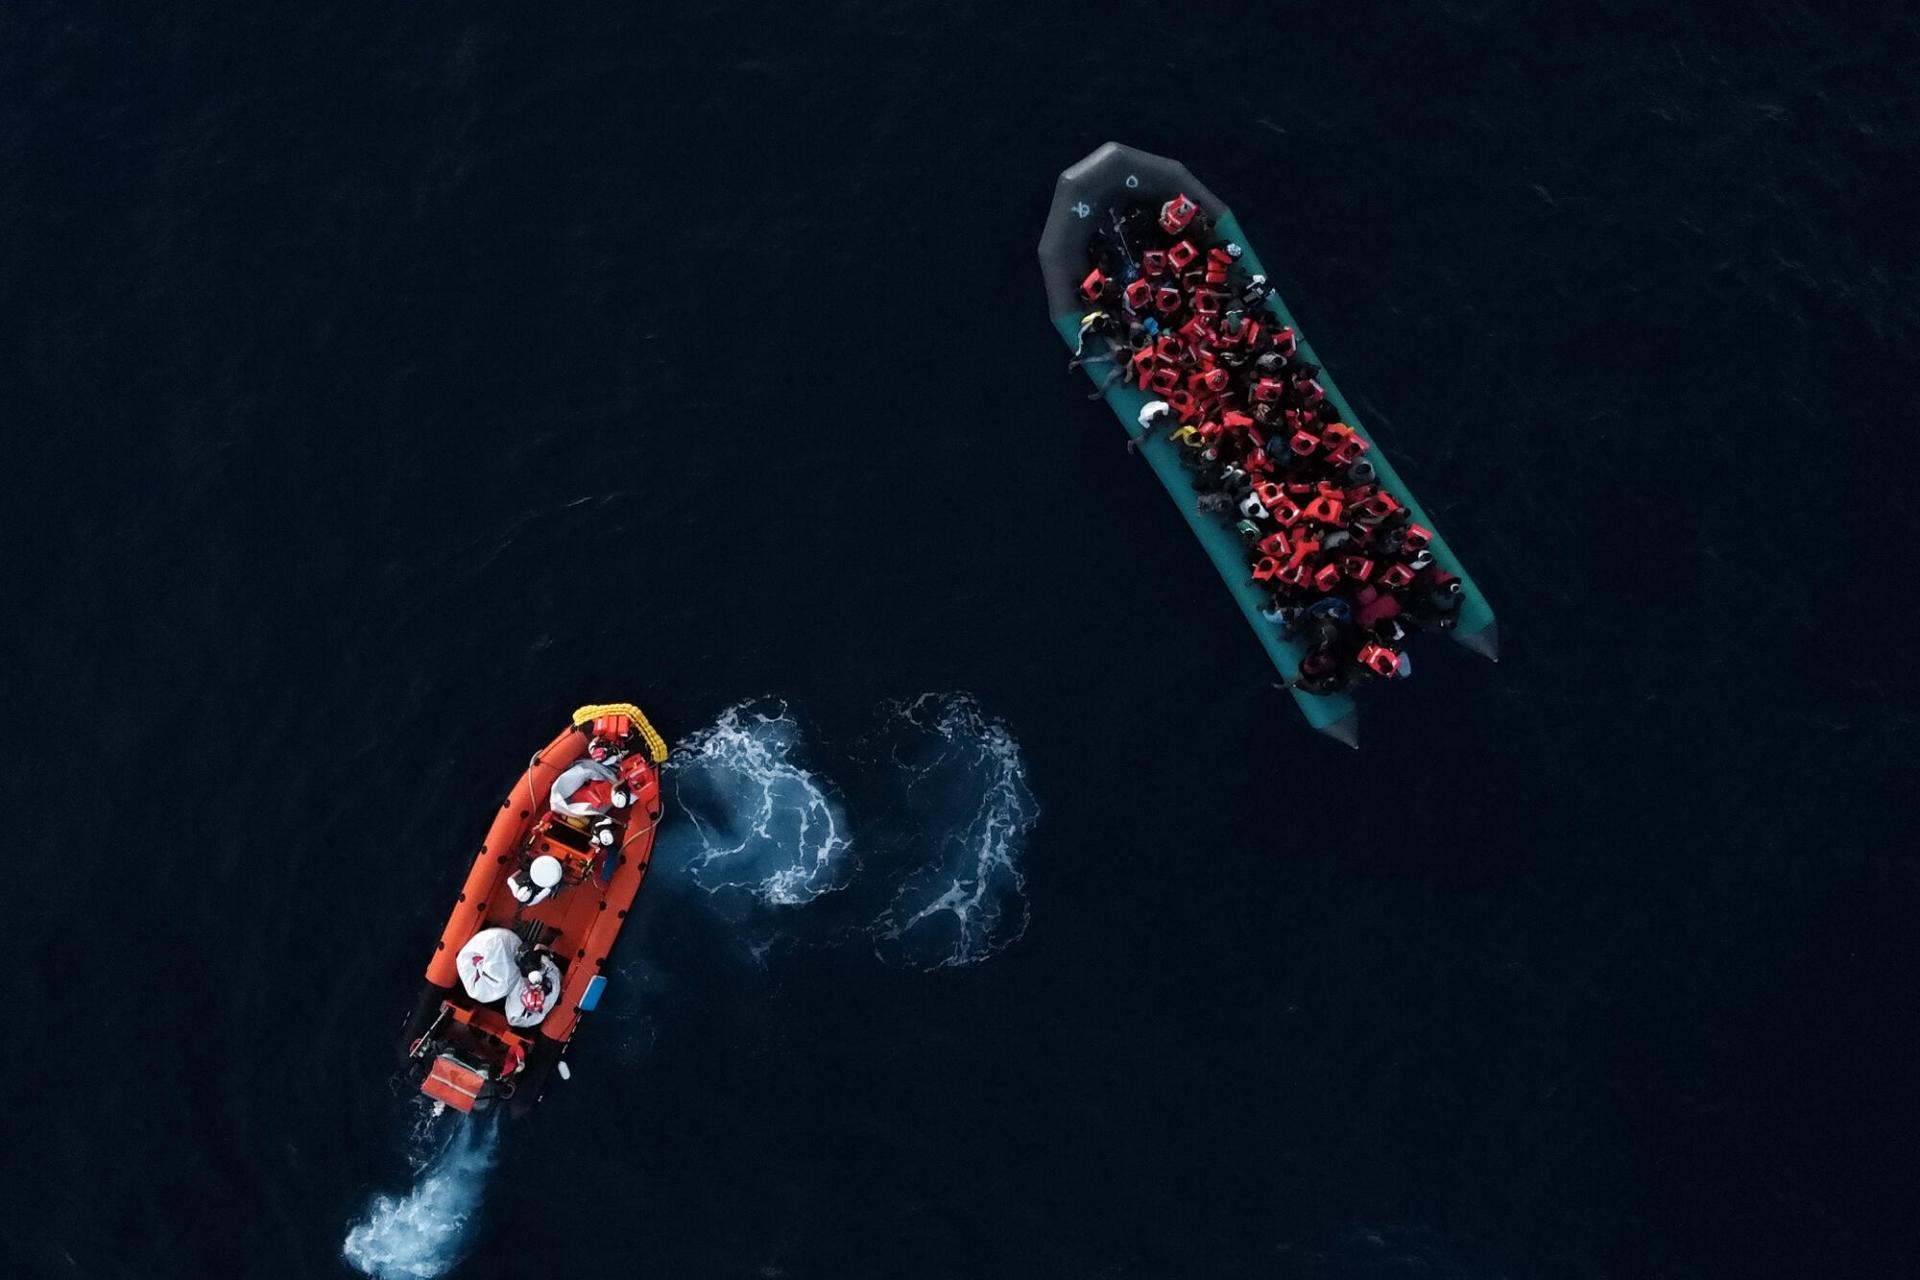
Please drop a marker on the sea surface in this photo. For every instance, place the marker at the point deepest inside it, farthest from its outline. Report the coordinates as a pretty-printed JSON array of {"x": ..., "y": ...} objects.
[{"x": 379, "y": 382}]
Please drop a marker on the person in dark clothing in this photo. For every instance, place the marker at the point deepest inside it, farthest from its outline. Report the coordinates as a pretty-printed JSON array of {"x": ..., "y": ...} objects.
[
  {"x": 1114, "y": 375},
  {"x": 1320, "y": 674},
  {"x": 1438, "y": 606}
]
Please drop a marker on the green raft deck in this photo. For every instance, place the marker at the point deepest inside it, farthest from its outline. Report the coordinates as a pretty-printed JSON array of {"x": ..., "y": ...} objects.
[{"x": 1113, "y": 178}]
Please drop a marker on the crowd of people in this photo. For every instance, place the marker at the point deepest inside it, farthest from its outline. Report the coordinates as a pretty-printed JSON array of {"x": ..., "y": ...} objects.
[{"x": 1343, "y": 565}]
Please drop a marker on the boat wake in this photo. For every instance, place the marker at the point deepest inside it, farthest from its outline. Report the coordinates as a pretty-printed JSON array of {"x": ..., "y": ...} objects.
[
  {"x": 937, "y": 793},
  {"x": 757, "y": 821},
  {"x": 970, "y": 812},
  {"x": 424, "y": 1233}
]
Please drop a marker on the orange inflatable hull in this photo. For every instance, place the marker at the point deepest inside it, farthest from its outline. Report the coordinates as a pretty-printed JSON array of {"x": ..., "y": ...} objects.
[{"x": 471, "y": 1053}]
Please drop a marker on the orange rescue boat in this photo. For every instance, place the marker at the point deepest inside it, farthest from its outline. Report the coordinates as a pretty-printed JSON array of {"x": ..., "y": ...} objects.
[{"x": 525, "y": 950}]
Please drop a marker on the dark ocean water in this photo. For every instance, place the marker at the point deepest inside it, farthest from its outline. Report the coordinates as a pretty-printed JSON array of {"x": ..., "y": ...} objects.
[{"x": 378, "y": 383}]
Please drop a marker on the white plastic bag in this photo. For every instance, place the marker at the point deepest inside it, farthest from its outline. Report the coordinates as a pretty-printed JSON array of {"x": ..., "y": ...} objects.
[
  {"x": 579, "y": 775},
  {"x": 489, "y": 964}
]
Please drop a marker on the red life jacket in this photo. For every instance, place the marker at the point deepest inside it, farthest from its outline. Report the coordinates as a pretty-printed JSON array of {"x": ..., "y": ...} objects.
[
  {"x": 1164, "y": 379},
  {"x": 1379, "y": 506},
  {"x": 1206, "y": 303},
  {"x": 1349, "y": 451},
  {"x": 1359, "y": 568},
  {"x": 1379, "y": 659},
  {"x": 1396, "y": 576},
  {"x": 1139, "y": 295},
  {"x": 1418, "y": 538},
  {"x": 1154, "y": 262},
  {"x": 1176, "y": 213},
  {"x": 1166, "y": 299},
  {"x": 1265, "y": 569},
  {"x": 1218, "y": 260},
  {"x": 1091, "y": 286},
  {"x": 1275, "y": 544},
  {"x": 1181, "y": 255},
  {"x": 1285, "y": 343},
  {"x": 1267, "y": 390},
  {"x": 1304, "y": 443},
  {"x": 1323, "y": 509},
  {"x": 1328, "y": 577}
]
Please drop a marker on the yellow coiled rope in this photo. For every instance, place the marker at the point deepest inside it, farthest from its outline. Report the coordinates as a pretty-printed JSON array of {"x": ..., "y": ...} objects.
[{"x": 656, "y": 745}]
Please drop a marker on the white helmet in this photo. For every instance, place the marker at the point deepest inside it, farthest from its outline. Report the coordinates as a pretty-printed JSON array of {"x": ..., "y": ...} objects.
[
  {"x": 622, "y": 795},
  {"x": 545, "y": 871},
  {"x": 604, "y": 834}
]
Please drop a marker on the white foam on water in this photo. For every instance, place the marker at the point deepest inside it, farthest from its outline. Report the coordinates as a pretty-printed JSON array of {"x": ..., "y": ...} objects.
[
  {"x": 945, "y": 813},
  {"x": 758, "y": 822},
  {"x": 423, "y": 1234},
  {"x": 968, "y": 899}
]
